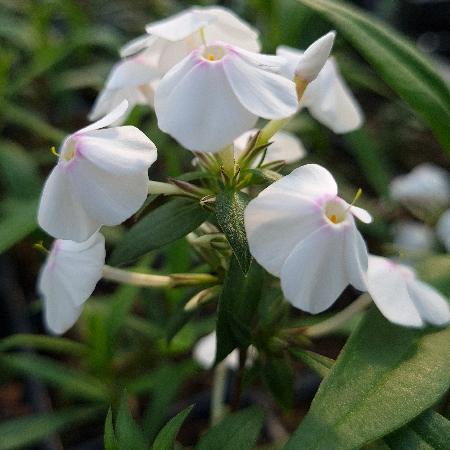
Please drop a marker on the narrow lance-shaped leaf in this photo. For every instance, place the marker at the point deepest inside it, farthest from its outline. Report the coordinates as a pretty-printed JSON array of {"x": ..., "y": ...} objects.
[
  {"x": 385, "y": 376},
  {"x": 171, "y": 221},
  {"x": 166, "y": 437},
  {"x": 396, "y": 60}
]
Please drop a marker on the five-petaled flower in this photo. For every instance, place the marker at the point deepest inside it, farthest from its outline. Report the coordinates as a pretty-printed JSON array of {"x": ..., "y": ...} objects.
[
  {"x": 68, "y": 278},
  {"x": 300, "y": 230},
  {"x": 402, "y": 298},
  {"x": 101, "y": 179}
]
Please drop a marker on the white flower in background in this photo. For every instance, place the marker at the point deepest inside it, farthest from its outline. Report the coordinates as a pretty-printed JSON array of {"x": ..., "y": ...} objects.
[
  {"x": 68, "y": 279},
  {"x": 285, "y": 147},
  {"x": 402, "y": 298},
  {"x": 101, "y": 179},
  {"x": 298, "y": 229},
  {"x": 443, "y": 229},
  {"x": 328, "y": 98},
  {"x": 171, "y": 39},
  {"x": 205, "y": 353},
  {"x": 133, "y": 79},
  {"x": 425, "y": 188},
  {"x": 412, "y": 236},
  {"x": 218, "y": 92}
]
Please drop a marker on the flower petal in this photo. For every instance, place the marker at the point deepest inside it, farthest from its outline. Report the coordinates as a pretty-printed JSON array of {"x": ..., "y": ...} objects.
[
  {"x": 109, "y": 198},
  {"x": 262, "y": 92},
  {"x": 60, "y": 214},
  {"x": 356, "y": 257},
  {"x": 115, "y": 115},
  {"x": 137, "y": 45},
  {"x": 275, "y": 223},
  {"x": 387, "y": 287},
  {"x": 314, "y": 276},
  {"x": 432, "y": 306},
  {"x": 120, "y": 151},
  {"x": 361, "y": 214},
  {"x": 201, "y": 111}
]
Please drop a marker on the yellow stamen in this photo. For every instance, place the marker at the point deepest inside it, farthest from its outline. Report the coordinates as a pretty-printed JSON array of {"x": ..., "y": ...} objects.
[
  {"x": 355, "y": 198},
  {"x": 40, "y": 246},
  {"x": 210, "y": 57},
  {"x": 53, "y": 151},
  {"x": 69, "y": 155},
  {"x": 333, "y": 218},
  {"x": 202, "y": 35}
]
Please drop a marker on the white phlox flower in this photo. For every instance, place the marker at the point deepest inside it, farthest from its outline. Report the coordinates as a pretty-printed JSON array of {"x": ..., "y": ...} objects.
[
  {"x": 410, "y": 236},
  {"x": 68, "y": 278},
  {"x": 171, "y": 39},
  {"x": 402, "y": 298},
  {"x": 205, "y": 353},
  {"x": 100, "y": 179},
  {"x": 443, "y": 229},
  {"x": 218, "y": 92},
  {"x": 133, "y": 79},
  {"x": 327, "y": 98},
  {"x": 426, "y": 187},
  {"x": 285, "y": 147},
  {"x": 298, "y": 229}
]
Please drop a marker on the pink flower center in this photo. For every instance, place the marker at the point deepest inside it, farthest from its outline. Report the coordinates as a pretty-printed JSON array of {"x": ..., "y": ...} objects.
[
  {"x": 214, "y": 52},
  {"x": 336, "y": 211}
]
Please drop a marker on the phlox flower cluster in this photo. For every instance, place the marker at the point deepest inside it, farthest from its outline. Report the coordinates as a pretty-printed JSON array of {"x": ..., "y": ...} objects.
[{"x": 204, "y": 75}]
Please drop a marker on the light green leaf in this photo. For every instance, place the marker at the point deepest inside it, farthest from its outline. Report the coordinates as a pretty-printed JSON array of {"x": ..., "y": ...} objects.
[
  {"x": 166, "y": 437},
  {"x": 430, "y": 431},
  {"x": 396, "y": 60},
  {"x": 25, "y": 431},
  {"x": 319, "y": 363},
  {"x": 109, "y": 438},
  {"x": 230, "y": 206},
  {"x": 238, "y": 431},
  {"x": 69, "y": 380},
  {"x": 171, "y": 221},
  {"x": 385, "y": 376}
]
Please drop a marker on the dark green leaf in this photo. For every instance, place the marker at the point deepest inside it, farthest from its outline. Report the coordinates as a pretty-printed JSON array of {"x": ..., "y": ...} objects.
[
  {"x": 166, "y": 437},
  {"x": 25, "y": 431},
  {"x": 171, "y": 221},
  {"x": 319, "y": 363},
  {"x": 109, "y": 438},
  {"x": 69, "y": 380},
  {"x": 128, "y": 433},
  {"x": 278, "y": 375},
  {"x": 396, "y": 60},
  {"x": 385, "y": 376},
  {"x": 230, "y": 206},
  {"x": 237, "y": 307},
  {"x": 264, "y": 176},
  {"x": 430, "y": 431},
  {"x": 238, "y": 431}
]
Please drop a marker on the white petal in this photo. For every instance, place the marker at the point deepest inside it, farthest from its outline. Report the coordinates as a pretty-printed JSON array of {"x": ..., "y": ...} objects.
[
  {"x": 119, "y": 151},
  {"x": 314, "y": 275},
  {"x": 331, "y": 102},
  {"x": 201, "y": 111},
  {"x": 443, "y": 229},
  {"x": 68, "y": 279},
  {"x": 410, "y": 236},
  {"x": 109, "y": 119},
  {"x": 309, "y": 181},
  {"x": 108, "y": 198},
  {"x": 137, "y": 45},
  {"x": 275, "y": 223},
  {"x": 285, "y": 147},
  {"x": 361, "y": 214},
  {"x": 290, "y": 57},
  {"x": 131, "y": 72},
  {"x": 387, "y": 287},
  {"x": 432, "y": 306},
  {"x": 181, "y": 25},
  {"x": 60, "y": 213},
  {"x": 356, "y": 257},
  {"x": 262, "y": 92},
  {"x": 314, "y": 57}
]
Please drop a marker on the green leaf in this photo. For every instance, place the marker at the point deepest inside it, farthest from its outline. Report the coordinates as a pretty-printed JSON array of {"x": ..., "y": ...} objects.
[
  {"x": 171, "y": 221},
  {"x": 128, "y": 433},
  {"x": 237, "y": 307},
  {"x": 230, "y": 206},
  {"x": 18, "y": 220},
  {"x": 436, "y": 271},
  {"x": 26, "y": 431},
  {"x": 396, "y": 60},
  {"x": 47, "y": 343},
  {"x": 109, "y": 438},
  {"x": 166, "y": 437},
  {"x": 385, "y": 376},
  {"x": 278, "y": 375},
  {"x": 69, "y": 380},
  {"x": 238, "y": 431},
  {"x": 319, "y": 363},
  {"x": 430, "y": 431}
]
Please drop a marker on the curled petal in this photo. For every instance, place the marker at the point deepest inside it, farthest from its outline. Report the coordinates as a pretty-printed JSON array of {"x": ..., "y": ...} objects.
[
  {"x": 356, "y": 258},
  {"x": 115, "y": 115}
]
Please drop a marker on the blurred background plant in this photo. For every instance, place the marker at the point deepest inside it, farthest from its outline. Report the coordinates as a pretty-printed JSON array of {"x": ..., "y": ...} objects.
[{"x": 54, "y": 58}]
